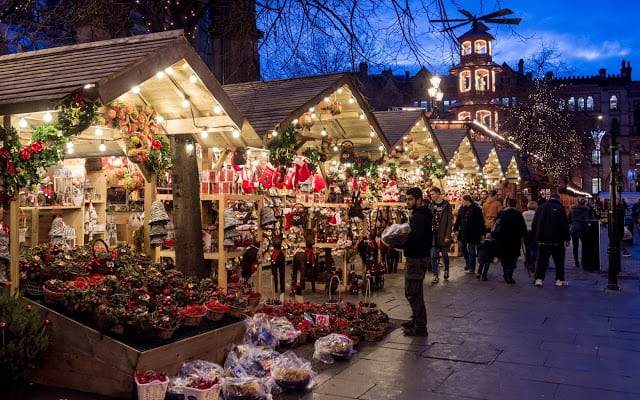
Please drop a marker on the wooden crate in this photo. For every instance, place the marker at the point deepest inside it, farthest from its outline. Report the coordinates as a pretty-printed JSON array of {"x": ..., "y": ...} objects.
[{"x": 84, "y": 359}]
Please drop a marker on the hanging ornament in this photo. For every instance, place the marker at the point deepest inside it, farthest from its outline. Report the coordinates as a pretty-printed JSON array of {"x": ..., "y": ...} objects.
[{"x": 306, "y": 120}]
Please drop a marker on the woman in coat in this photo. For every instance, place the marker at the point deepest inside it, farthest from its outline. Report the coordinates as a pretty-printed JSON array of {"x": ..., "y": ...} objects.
[
  {"x": 470, "y": 227},
  {"x": 509, "y": 230}
]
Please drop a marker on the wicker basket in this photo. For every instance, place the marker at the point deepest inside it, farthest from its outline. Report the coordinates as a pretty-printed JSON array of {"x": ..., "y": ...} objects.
[
  {"x": 213, "y": 393},
  {"x": 52, "y": 297},
  {"x": 152, "y": 390},
  {"x": 237, "y": 312},
  {"x": 193, "y": 320},
  {"x": 213, "y": 314},
  {"x": 165, "y": 333},
  {"x": 32, "y": 288}
]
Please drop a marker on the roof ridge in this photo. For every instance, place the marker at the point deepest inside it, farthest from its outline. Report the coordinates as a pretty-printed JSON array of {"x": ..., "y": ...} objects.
[
  {"x": 293, "y": 78},
  {"x": 129, "y": 39}
]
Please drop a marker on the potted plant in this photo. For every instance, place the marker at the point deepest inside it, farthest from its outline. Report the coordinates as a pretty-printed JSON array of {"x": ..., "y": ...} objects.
[
  {"x": 151, "y": 385},
  {"x": 201, "y": 388},
  {"x": 193, "y": 314},
  {"x": 54, "y": 291},
  {"x": 216, "y": 310}
]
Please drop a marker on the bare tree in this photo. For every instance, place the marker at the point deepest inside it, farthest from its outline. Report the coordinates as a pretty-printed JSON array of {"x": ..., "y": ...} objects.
[{"x": 547, "y": 59}]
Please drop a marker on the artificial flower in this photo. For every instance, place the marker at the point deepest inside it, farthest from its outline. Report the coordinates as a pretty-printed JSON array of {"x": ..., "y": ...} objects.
[{"x": 25, "y": 153}]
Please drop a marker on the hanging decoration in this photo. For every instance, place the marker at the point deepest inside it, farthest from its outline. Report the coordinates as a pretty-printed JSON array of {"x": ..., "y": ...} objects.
[
  {"x": 432, "y": 167},
  {"x": 145, "y": 146},
  {"x": 23, "y": 166},
  {"x": 393, "y": 171},
  {"x": 314, "y": 158},
  {"x": 282, "y": 147},
  {"x": 363, "y": 167}
]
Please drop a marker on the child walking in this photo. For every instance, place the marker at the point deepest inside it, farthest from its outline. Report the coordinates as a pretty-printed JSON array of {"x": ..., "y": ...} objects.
[{"x": 486, "y": 254}]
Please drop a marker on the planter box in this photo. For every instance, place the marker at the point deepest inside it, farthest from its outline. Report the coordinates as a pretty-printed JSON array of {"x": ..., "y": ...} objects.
[{"x": 81, "y": 358}]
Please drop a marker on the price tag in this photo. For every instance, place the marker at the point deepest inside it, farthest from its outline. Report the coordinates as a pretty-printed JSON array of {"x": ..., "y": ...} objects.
[{"x": 322, "y": 320}]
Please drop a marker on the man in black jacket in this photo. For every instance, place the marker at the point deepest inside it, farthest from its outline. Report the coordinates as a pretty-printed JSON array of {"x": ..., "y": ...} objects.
[
  {"x": 470, "y": 227},
  {"x": 578, "y": 217},
  {"x": 551, "y": 232},
  {"x": 416, "y": 251}
]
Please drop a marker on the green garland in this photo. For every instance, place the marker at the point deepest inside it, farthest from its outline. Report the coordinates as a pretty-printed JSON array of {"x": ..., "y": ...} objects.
[
  {"x": 432, "y": 167},
  {"x": 24, "y": 166},
  {"x": 363, "y": 167},
  {"x": 393, "y": 171},
  {"x": 282, "y": 147},
  {"x": 315, "y": 157}
]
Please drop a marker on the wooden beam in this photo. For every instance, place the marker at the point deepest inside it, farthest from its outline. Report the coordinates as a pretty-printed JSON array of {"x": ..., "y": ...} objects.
[
  {"x": 149, "y": 197},
  {"x": 186, "y": 209},
  {"x": 14, "y": 246},
  {"x": 186, "y": 125}
]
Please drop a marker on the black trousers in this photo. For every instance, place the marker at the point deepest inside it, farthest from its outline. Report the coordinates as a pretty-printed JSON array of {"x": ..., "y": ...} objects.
[
  {"x": 392, "y": 259},
  {"x": 484, "y": 268},
  {"x": 278, "y": 278},
  {"x": 577, "y": 238},
  {"x": 414, "y": 290},
  {"x": 509, "y": 265},
  {"x": 305, "y": 269},
  {"x": 555, "y": 251}
]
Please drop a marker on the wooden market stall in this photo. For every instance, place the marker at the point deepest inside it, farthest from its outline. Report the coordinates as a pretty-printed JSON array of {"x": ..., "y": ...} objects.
[
  {"x": 331, "y": 115},
  {"x": 151, "y": 90}
]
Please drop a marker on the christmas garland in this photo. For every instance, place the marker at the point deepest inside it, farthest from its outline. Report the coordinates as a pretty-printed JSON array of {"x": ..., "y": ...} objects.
[
  {"x": 363, "y": 167},
  {"x": 140, "y": 129},
  {"x": 23, "y": 166},
  {"x": 282, "y": 147},
  {"x": 432, "y": 167},
  {"x": 314, "y": 157}
]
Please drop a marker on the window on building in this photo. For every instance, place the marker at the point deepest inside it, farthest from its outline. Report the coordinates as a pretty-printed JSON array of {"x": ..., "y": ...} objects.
[
  {"x": 466, "y": 48},
  {"x": 571, "y": 103},
  {"x": 581, "y": 103},
  {"x": 465, "y": 81},
  {"x": 636, "y": 157},
  {"x": 595, "y": 157},
  {"x": 589, "y": 103},
  {"x": 484, "y": 116},
  {"x": 464, "y": 116},
  {"x": 481, "y": 47},
  {"x": 562, "y": 104},
  {"x": 595, "y": 185},
  {"x": 613, "y": 103},
  {"x": 513, "y": 101},
  {"x": 482, "y": 80}
]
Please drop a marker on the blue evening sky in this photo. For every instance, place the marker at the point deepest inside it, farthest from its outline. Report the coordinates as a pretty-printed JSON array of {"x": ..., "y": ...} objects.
[{"x": 589, "y": 34}]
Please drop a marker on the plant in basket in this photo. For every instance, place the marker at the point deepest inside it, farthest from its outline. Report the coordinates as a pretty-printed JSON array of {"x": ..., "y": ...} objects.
[
  {"x": 151, "y": 385},
  {"x": 111, "y": 318},
  {"x": 193, "y": 314},
  {"x": 54, "y": 290},
  {"x": 164, "y": 325},
  {"x": 202, "y": 388},
  {"x": 216, "y": 310}
]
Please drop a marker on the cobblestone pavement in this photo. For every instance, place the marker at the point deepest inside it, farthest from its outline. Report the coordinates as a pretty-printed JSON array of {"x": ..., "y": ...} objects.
[{"x": 490, "y": 340}]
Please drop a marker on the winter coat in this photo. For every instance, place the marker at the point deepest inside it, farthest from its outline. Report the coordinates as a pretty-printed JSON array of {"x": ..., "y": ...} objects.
[
  {"x": 578, "y": 217},
  {"x": 487, "y": 250},
  {"x": 490, "y": 210},
  {"x": 419, "y": 243},
  {"x": 550, "y": 224},
  {"x": 442, "y": 238},
  {"x": 469, "y": 223},
  {"x": 512, "y": 230}
]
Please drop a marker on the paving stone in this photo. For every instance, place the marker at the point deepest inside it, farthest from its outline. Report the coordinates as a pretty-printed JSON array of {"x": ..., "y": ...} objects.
[
  {"x": 558, "y": 347},
  {"x": 344, "y": 388},
  {"x": 387, "y": 354},
  {"x": 580, "y": 362},
  {"x": 524, "y": 356},
  {"x": 566, "y": 392},
  {"x": 387, "y": 392},
  {"x": 320, "y": 396},
  {"x": 466, "y": 352}
]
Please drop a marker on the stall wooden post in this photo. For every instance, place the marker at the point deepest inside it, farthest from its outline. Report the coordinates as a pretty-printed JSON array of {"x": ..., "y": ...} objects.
[
  {"x": 14, "y": 246},
  {"x": 149, "y": 197}
]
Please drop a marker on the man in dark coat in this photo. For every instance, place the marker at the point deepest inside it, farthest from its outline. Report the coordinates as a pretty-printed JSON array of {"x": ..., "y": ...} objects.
[
  {"x": 416, "y": 251},
  {"x": 509, "y": 230},
  {"x": 578, "y": 217},
  {"x": 470, "y": 227},
  {"x": 551, "y": 230},
  {"x": 442, "y": 225}
]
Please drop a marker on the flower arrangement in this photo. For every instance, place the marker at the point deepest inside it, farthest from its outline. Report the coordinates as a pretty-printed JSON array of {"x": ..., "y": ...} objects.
[
  {"x": 144, "y": 144},
  {"x": 432, "y": 167}
]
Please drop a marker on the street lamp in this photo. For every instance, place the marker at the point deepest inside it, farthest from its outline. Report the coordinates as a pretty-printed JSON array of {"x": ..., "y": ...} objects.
[
  {"x": 613, "y": 250},
  {"x": 435, "y": 93},
  {"x": 597, "y": 141}
]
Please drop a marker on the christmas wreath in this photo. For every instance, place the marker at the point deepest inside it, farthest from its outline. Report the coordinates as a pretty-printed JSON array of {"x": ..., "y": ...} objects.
[
  {"x": 432, "y": 167},
  {"x": 23, "y": 166},
  {"x": 282, "y": 147},
  {"x": 144, "y": 144}
]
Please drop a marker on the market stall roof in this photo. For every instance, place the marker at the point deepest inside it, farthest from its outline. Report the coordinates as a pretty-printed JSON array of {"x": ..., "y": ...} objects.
[
  {"x": 34, "y": 82},
  {"x": 397, "y": 124},
  {"x": 450, "y": 140},
  {"x": 510, "y": 163},
  {"x": 483, "y": 149},
  {"x": 273, "y": 105}
]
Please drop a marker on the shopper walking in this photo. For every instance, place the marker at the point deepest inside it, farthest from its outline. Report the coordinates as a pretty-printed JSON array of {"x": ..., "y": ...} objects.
[
  {"x": 277, "y": 267},
  {"x": 441, "y": 226},
  {"x": 470, "y": 227},
  {"x": 490, "y": 210},
  {"x": 551, "y": 233},
  {"x": 529, "y": 242},
  {"x": 578, "y": 217},
  {"x": 416, "y": 252},
  {"x": 487, "y": 252},
  {"x": 509, "y": 230}
]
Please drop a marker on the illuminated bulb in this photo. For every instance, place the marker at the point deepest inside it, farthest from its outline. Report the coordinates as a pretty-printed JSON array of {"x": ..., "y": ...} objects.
[
  {"x": 160, "y": 74},
  {"x": 405, "y": 137},
  {"x": 340, "y": 91},
  {"x": 22, "y": 123},
  {"x": 397, "y": 147},
  {"x": 314, "y": 115},
  {"x": 99, "y": 132},
  {"x": 102, "y": 147},
  {"x": 89, "y": 85},
  {"x": 168, "y": 71},
  {"x": 351, "y": 100},
  {"x": 204, "y": 134},
  {"x": 327, "y": 100},
  {"x": 193, "y": 78},
  {"x": 69, "y": 150},
  {"x": 185, "y": 103},
  {"x": 295, "y": 121},
  {"x": 135, "y": 89},
  {"x": 372, "y": 133},
  {"x": 235, "y": 133},
  {"x": 323, "y": 132},
  {"x": 69, "y": 145},
  {"x": 159, "y": 119},
  {"x": 424, "y": 129},
  {"x": 361, "y": 115},
  {"x": 335, "y": 148},
  {"x": 274, "y": 133},
  {"x": 311, "y": 109},
  {"x": 189, "y": 148},
  {"x": 381, "y": 148},
  {"x": 47, "y": 117},
  {"x": 217, "y": 109}
]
